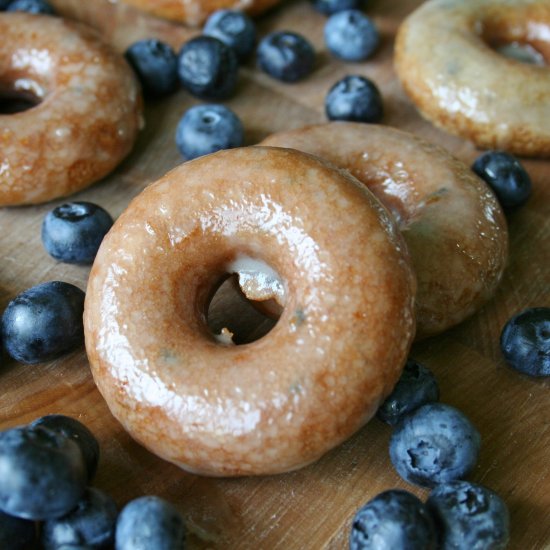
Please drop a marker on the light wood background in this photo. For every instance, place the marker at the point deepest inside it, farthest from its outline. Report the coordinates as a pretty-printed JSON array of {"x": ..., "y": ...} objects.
[{"x": 310, "y": 508}]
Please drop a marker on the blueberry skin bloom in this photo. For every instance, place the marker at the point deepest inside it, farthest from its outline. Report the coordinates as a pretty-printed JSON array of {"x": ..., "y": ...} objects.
[
  {"x": 208, "y": 68},
  {"x": 469, "y": 517},
  {"x": 356, "y": 99},
  {"x": 416, "y": 387},
  {"x": 393, "y": 519},
  {"x": 72, "y": 232},
  {"x": 204, "y": 129},
  {"x": 149, "y": 522},
  {"x": 350, "y": 35},
  {"x": 31, "y": 6},
  {"x": 525, "y": 341},
  {"x": 43, "y": 473},
  {"x": 234, "y": 28},
  {"x": 328, "y": 7},
  {"x": 286, "y": 56},
  {"x": 156, "y": 66},
  {"x": 434, "y": 444},
  {"x": 44, "y": 322},
  {"x": 16, "y": 533},
  {"x": 506, "y": 176}
]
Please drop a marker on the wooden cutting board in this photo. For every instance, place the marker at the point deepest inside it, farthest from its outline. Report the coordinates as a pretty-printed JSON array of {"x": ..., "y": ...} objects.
[{"x": 310, "y": 508}]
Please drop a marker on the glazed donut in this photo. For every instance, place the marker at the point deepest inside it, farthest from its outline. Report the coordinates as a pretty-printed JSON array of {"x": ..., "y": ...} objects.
[
  {"x": 279, "y": 402},
  {"x": 87, "y": 118},
  {"x": 453, "y": 225},
  {"x": 447, "y": 58}
]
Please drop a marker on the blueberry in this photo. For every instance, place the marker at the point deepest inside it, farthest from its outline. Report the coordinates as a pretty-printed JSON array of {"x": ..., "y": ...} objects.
[
  {"x": 350, "y": 35},
  {"x": 16, "y": 533},
  {"x": 469, "y": 517},
  {"x": 328, "y": 7},
  {"x": 80, "y": 434},
  {"x": 31, "y": 6},
  {"x": 44, "y": 322},
  {"x": 286, "y": 56},
  {"x": 43, "y": 473},
  {"x": 525, "y": 341},
  {"x": 434, "y": 444},
  {"x": 149, "y": 522},
  {"x": 234, "y": 28},
  {"x": 354, "y": 98},
  {"x": 393, "y": 519},
  {"x": 416, "y": 387},
  {"x": 208, "y": 68},
  {"x": 156, "y": 66},
  {"x": 72, "y": 232},
  {"x": 505, "y": 176},
  {"x": 204, "y": 129}
]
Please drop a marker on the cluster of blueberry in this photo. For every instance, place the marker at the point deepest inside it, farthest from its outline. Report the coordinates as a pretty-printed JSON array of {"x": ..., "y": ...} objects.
[
  {"x": 45, "y": 496},
  {"x": 30, "y": 6}
]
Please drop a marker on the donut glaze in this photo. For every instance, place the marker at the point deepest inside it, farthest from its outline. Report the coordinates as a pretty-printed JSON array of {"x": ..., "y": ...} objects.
[
  {"x": 282, "y": 401},
  {"x": 453, "y": 225},
  {"x": 87, "y": 118},
  {"x": 446, "y": 56}
]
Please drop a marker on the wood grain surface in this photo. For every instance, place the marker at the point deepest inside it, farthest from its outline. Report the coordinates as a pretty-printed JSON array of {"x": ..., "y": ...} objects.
[{"x": 310, "y": 508}]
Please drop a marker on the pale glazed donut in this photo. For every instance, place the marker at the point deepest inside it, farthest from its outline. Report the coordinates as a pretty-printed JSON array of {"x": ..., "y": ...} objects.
[
  {"x": 444, "y": 59},
  {"x": 454, "y": 227},
  {"x": 282, "y": 401},
  {"x": 88, "y": 116}
]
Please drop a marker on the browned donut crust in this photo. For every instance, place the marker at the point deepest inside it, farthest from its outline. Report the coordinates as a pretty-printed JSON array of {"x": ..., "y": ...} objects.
[
  {"x": 282, "y": 401},
  {"x": 445, "y": 60},
  {"x": 89, "y": 110}
]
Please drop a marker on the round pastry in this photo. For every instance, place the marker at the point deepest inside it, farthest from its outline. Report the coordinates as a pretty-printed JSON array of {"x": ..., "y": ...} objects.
[
  {"x": 448, "y": 58},
  {"x": 87, "y": 113},
  {"x": 453, "y": 225},
  {"x": 280, "y": 402}
]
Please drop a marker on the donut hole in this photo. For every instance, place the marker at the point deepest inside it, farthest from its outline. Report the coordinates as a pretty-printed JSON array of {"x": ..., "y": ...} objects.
[{"x": 19, "y": 96}]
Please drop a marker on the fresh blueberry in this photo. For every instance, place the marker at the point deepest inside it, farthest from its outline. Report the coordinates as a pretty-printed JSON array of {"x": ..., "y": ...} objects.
[
  {"x": 204, "y": 129},
  {"x": 91, "y": 523},
  {"x": 350, "y": 35},
  {"x": 328, "y": 7},
  {"x": 234, "y": 28},
  {"x": 286, "y": 56},
  {"x": 16, "y": 533},
  {"x": 469, "y": 517},
  {"x": 416, "y": 387},
  {"x": 506, "y": 177},
  {"x": 525, "y": 341},
  {"x": 43, "y": 473},
  {"x": 31, "y": 6},
  {"x": 356, "y": 99},
  {"x": 80, "y": 434},
  {"x": 208, "y": 68},
  {"x": 149, "y": 522},
  {"x": 434, "y": 444},
  {"x": 72, "y": 232},
  {"x": 156, "y": 66},
  {"x": 393, "y": 519}
]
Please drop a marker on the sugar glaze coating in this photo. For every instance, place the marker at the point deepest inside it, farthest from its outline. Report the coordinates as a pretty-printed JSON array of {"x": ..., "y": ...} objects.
[
  {"x": 88, "y": 116},
  {"x": 282, "y": 401},
  {"x": 453, "y": 225}
]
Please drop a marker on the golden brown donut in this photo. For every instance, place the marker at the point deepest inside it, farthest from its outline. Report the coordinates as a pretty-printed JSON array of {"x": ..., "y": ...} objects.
[
  {"x": 87, "y": 118},
  {"x": 453, "y": 225},
  {"x": 446, "y": 56},
  {"x": 282, "y": 401}
]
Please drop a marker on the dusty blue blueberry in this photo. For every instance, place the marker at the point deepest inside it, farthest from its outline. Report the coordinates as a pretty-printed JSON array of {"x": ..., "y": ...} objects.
[
  {"x": 469, "y": 517},
  {"x": 205, "y": 129},
  {"x": 286, "y": 56},
  {"x": 31, "y": 6},
  {"x": 156, "y": 66},
  {"x": 149, "y": 522},
  {"x": 91, "y": 523},
  {"x": 16, "y": 533},
  {"x": 44, "y": 322},
  {"x": 416, "y": 387},
  {"x": 328, "y": 7},
  {"x": 434, "y": 444},
  {"x": 72, "y": 232},
  {"x": 393, "y": 519},
  {"x": 506, "y": 176},
  {"x": 351, "y": 35},
  {"x": 208, "y": 68},
  {"x": 356, "y": 99},
  {"x": 43, "y": 473},
  {"x": 525, "y": 341},
  {"x": 234, "y": 28}
]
